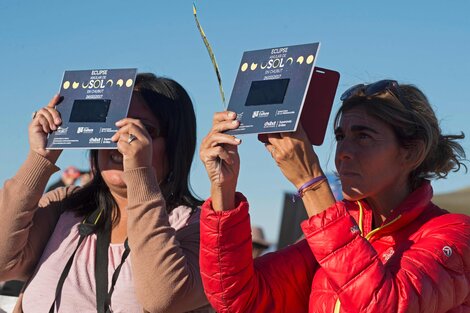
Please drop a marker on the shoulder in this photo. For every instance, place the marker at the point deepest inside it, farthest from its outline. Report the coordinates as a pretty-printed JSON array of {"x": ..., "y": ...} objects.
[
  {"x": 59, "y": 194},
  {"x": 447, "y": 237},
  {"x": 448, "y": 224}
]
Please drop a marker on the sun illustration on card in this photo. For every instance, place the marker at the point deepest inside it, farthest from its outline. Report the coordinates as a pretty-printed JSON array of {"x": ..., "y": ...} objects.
[{"x": 310, "y": 59}]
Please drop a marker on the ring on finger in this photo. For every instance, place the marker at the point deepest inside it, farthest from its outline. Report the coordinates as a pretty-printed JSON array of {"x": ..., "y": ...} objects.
[
  {"x": 33, "y": 115},
  {"x": 131, "y": 138}
]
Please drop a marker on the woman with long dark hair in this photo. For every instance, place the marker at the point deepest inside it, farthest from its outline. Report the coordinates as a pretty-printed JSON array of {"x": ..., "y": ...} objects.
[{"x": 128, "y": 241}]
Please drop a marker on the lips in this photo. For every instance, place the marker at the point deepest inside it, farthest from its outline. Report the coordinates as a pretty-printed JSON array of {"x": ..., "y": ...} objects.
[{"x": 347, "y": 174}]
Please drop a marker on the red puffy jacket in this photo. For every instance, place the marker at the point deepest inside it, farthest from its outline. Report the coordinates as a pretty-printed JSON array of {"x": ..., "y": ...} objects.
[{"x": 417, "y": 261}]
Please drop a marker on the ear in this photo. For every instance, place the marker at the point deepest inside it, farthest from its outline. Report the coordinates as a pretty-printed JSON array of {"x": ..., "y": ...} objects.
[{"x": 414, "y": 154}]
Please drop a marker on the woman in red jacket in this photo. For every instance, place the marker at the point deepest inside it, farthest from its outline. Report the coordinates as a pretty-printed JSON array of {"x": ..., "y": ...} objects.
[{"x": 385, "y": 248}]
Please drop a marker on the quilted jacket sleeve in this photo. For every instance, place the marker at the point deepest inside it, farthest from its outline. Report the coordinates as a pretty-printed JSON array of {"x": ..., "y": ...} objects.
[
  {"x": 275, "y": 282},
  {"x": 428, "y": 278}
]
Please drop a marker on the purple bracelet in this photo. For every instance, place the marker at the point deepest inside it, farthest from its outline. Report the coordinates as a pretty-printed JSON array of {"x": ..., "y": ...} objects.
[{"x": 306, "y": 185}]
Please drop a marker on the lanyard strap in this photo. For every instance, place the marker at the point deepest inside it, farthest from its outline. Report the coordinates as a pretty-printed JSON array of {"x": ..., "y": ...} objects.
[
  {"x": 103, "y": 296},
  {"x": 63, "y": 276},
  {"x": 101, "y": 266},
  {"x": 87, "y": 227}
]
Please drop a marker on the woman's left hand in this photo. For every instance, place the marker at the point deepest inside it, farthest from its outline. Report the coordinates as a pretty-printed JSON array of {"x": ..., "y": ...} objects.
[
  {"x": 294, "y": 154},
  {"x": 134, "y": 142}
]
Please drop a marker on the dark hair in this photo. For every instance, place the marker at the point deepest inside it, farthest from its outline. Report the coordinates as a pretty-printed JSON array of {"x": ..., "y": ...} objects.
[
  {"x": 412, "y": 119},
  {"x": 174, "y": 111}
]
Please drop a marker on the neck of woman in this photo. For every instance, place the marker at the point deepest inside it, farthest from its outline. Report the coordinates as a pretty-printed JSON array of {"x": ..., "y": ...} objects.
[{"x": 384, "y": 203}]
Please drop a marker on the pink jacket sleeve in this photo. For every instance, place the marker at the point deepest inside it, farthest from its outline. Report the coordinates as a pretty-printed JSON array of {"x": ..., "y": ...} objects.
[
  {"x": 275, "y": 282},
  {"x": 425, "y": 280}
]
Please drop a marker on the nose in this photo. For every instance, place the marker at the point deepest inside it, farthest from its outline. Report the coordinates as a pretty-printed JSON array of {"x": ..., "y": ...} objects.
[{"x": 344, "y": 150}]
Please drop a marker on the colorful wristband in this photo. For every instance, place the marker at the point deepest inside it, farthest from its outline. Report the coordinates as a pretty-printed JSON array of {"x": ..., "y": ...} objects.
[{"x": 308, "y": 184}]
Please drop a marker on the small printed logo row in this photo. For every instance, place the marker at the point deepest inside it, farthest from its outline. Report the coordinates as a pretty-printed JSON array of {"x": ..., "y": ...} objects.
[
  {"x": 261, "y": 113},
  {"x": 84, "y": 130}
]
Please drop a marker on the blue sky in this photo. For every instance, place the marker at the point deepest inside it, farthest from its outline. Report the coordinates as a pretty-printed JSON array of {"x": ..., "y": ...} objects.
[{"x": 421, "y": 42}]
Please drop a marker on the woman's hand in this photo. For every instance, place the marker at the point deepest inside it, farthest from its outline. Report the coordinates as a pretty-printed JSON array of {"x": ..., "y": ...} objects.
[
  {"x": 294, "y": 154},
  {"x": 45, "y": 121},
  {"x": 134, "y": 143},
  {"x": 219, "y": 154}
]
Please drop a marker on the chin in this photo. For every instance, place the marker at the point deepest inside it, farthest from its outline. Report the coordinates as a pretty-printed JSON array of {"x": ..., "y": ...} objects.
[
  {"x": 113, "y": 178},
  {"x": 352, "y": 194}
]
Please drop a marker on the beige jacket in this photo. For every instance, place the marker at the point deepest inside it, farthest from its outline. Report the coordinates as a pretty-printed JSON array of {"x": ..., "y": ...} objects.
[{"x": 166, "y": 279}]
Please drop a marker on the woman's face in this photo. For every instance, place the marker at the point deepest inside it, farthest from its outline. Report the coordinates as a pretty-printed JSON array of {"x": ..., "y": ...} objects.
[
  {"x": 369, "y": 160},
  {"x": 110, "y": 161}
]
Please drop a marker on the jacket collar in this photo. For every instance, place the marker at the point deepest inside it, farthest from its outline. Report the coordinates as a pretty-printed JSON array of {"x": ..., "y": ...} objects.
[{"x": 404, "y": 214}]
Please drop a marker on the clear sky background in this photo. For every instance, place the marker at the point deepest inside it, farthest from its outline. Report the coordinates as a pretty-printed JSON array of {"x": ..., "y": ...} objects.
[{"x": 426, "y": 43}]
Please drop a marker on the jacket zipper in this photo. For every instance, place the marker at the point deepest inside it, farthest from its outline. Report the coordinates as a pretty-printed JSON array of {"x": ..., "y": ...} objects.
[{"x": 367, "y": 237}]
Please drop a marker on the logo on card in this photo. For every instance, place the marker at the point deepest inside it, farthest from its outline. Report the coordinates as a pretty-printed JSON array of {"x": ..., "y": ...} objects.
[
  {"x": 260, "y": 114},
  {"x": 62, "y": 130},
  {"x": 284, "y": 112},
  {"x": 84, "y": 130},
  {"x": 107, "y": 130},
  {"x": 94, "y": 140},
  {"x": 269, "y": 124}
]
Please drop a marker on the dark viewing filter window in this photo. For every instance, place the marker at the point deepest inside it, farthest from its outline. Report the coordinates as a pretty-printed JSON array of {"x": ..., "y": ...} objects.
[
  {"x": 95, "y": 110},
  {"x": 267, "y": 92}
]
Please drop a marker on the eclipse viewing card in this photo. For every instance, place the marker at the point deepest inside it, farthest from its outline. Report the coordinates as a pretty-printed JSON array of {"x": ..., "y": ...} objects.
[
  {"x": 273, "y": 86},
  {"x": 92, "y": 102}
]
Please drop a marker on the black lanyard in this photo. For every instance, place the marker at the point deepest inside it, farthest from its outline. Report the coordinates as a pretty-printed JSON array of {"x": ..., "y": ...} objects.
[{"x": 103, "y": 296}]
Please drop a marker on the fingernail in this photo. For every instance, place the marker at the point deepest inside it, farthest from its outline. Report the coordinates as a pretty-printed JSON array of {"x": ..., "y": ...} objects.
[
  {"x": 58, "y": 120},
  {"x": 118, "y": 122},
  {"x": 238, "y": 140},
  {"x": 231, "y": 114},
  {"x": 235, "y": 122}
]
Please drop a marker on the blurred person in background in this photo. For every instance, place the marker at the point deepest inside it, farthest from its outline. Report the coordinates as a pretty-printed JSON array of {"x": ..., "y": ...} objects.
[
  {"x": 259, "y": 243},
  {"x": 71, "y": 176}
]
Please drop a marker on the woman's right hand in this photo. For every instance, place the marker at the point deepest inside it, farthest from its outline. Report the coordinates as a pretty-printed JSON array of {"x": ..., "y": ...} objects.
[
  {"x": 45, "y": 120},
  {"x": 219, "y": 154}
]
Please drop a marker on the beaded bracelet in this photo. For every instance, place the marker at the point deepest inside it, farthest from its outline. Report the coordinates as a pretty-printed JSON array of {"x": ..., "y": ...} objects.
[{"x": 311, "y": 184}]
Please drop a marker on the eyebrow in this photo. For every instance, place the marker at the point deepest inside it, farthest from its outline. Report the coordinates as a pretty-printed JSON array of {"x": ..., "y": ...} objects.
[{"x": 357, "y": 128}]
